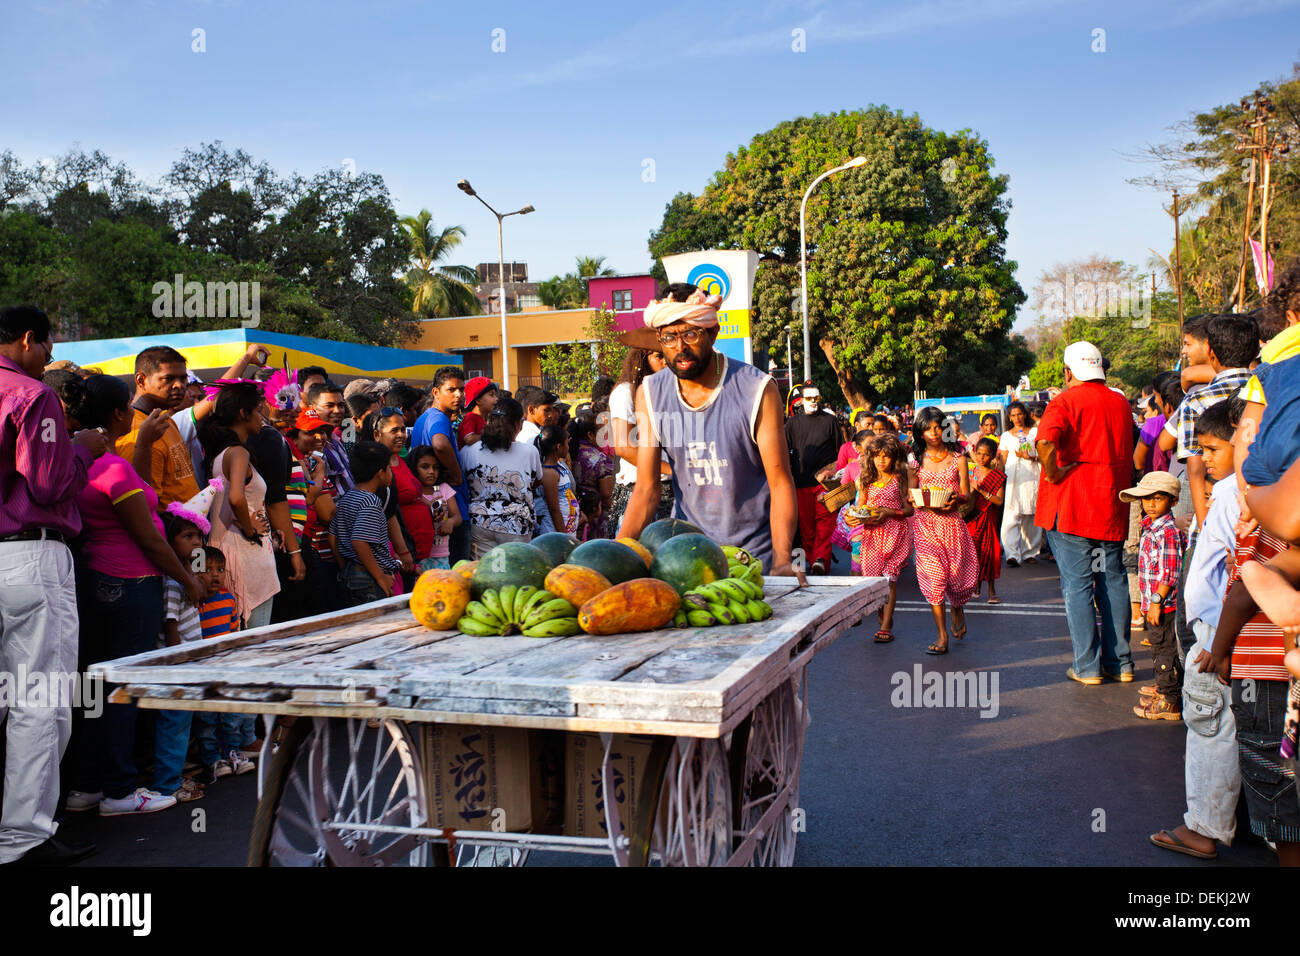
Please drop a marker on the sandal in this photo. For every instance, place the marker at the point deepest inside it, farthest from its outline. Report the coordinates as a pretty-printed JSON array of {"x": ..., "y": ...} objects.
[
  {"x": 884, "y": 636},
  {"x": 936, "y": 650},
  {"x": 959, "y": 634},
  {"x": 1172, "y": 842},
  {"x": 186, "y": 795},
  {"x": 995, "y": 600}
]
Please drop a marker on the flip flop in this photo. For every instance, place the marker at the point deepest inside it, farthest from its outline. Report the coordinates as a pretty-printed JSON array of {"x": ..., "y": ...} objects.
[
  {"x": 888, "y": 636},
  {"x": 1178, "y": 846},
  {"x": 995, "y": 600},
  {"x": 934, "y": 650}
]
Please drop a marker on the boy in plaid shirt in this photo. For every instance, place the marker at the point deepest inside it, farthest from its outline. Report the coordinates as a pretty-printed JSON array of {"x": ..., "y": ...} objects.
[{"x": 1160, "y": 560}]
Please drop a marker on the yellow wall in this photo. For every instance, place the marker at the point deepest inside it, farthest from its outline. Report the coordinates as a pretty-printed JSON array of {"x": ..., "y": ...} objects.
[{"x": 531, "y": 330}]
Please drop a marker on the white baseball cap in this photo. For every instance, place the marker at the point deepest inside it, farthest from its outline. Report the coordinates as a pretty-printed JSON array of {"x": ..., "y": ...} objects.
[{"x": 1083, "y": 359}]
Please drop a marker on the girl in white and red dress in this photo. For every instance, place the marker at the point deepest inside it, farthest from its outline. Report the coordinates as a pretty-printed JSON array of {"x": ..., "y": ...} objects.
[
  {"x": 947, "y": 568},
  {"x": 882, "y": 541}
]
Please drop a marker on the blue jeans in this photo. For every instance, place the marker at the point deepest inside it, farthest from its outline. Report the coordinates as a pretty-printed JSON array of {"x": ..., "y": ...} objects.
[
  {"x": 171, "y": 740},
  {"x": 123, "y": 616},
  {"x": 221, "y": 733},
  {"x": 1093, "y": 571}
]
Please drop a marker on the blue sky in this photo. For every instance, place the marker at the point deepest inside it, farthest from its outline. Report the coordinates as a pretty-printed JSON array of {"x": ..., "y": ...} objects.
[{"x": 584, "y": 92}]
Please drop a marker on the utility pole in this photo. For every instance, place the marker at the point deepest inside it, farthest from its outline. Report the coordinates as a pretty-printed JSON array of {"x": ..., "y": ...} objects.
[{"x": 1178, "y": 266}]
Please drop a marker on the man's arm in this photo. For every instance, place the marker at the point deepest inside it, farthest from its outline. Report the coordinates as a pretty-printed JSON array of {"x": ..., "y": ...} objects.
[
  {"x": 645, "y": 493},
  {"x": 442, "y": 447},
  {"x": 1169, "y": 434},
  {"x": 775, "y": 454},
  {"x": 55, "y": 471},
  {"x": 203, "y": 408},
  {"x": 1052, "y": 470},
  {"x": 1196, "y": 478},
  {"x": 278, "y": 514}
]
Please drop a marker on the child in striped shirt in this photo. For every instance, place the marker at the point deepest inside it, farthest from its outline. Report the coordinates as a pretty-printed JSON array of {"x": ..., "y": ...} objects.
[{"x": 222, "y": 736}]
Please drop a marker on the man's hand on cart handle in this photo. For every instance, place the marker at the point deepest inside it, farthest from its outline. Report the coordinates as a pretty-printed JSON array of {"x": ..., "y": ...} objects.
[{"x": 789, "y": 570}]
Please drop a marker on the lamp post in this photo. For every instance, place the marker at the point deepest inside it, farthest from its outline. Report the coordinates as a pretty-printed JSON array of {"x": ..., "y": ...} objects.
[
  {"x": 803, "y": 258},
  {"x": 789, "y": 360},
  {"x": 464, "y": 186}
]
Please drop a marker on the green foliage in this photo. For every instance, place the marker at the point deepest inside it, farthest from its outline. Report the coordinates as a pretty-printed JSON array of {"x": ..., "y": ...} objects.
[
  {"x": 569, "y": 291},
  {"x": 906, "y": 259},
  {"x": 572, "y": 365},
  {"x": 439, "y": 290},
  {"x": 88, "y": 242}
]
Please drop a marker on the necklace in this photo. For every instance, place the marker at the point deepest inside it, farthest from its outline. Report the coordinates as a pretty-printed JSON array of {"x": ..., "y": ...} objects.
[{"x": 930, "y": 456}]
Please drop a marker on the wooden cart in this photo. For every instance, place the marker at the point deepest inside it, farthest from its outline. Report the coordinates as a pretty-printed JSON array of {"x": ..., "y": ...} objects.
[{"x": 722, "y": 711}]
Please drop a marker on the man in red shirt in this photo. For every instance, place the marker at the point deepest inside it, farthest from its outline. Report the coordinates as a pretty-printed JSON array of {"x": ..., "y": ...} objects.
[{"x": 1085, "y": 444}]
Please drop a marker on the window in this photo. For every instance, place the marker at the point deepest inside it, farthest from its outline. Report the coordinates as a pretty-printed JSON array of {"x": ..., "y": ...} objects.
[
  {"x": 529, "y": 301},
  {"x": 623, "y": 300}
]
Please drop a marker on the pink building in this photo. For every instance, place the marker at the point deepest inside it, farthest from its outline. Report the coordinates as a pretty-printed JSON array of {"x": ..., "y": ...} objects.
[{"x": 626, "y": 295}]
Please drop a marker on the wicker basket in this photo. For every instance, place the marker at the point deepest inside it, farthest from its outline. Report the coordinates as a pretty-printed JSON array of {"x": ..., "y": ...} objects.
[{"x": 838, "y": 497}]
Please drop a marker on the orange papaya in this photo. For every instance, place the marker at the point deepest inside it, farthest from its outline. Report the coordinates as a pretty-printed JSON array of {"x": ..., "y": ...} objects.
[
  {"x": 642, "y": 551},
  {"x": 575, "y": 584},
  {"x": 642, "y": 604},
  {"x": 439, "y": 599}
]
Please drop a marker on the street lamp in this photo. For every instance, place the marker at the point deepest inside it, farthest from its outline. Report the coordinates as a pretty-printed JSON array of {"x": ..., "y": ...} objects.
[
  {"x": 789, "y": 359},
  {"x": 464, "y": 186},
  {"x": 803, "y": 258}
]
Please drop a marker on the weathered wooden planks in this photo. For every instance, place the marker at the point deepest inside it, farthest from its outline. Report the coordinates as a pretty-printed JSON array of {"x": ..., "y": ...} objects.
[{"x": 379, "y": 662}]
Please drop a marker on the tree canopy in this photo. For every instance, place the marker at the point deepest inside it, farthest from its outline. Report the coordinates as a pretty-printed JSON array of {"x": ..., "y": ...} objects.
[
  {"x": 906, "y": 258},
  {"x": 85, "y": 239}
]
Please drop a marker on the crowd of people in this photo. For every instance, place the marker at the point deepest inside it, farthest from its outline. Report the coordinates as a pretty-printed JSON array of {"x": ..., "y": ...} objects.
[{"x": 168, "y": 510}]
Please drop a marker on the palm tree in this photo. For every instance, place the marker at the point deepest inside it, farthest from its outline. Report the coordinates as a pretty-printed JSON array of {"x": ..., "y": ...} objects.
[
  {"x": 440, "y": 290},
  {"x": 589, "y": 266}
]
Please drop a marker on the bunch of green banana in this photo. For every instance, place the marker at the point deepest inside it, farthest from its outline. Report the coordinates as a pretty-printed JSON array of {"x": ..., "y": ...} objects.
[
  {"x": 741, "y": 565},
  {"x": 729, "y": 601},
  {"x": 531, "y": 611}
]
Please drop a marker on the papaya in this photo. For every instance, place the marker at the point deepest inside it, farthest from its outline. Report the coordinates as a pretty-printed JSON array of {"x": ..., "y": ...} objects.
[
  {"x": 556, "y": 545},
  {"x": 643, "y": 604},
  {"x": 616, "y": 561},
  {"x": 514, "y": 562},
  {"x": 575, "y": 583},
  {"x": 688, "y": 561},
  {"x": 656, "y": 533},
  {"x": 439, "y": 599},
  {"x": 639, "y": 548}
]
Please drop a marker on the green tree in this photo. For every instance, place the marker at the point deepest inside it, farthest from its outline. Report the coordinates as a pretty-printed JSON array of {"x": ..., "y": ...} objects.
[
  {"x": 576, "y": 367},
  {"x": 906, "y": 258},
  {"x": 569, "y": 291},
  {"x": 439, "y": 289}
]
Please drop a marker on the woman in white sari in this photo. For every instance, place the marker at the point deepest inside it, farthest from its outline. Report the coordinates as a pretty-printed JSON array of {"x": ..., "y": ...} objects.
[{"x": 1021, "y": 538}]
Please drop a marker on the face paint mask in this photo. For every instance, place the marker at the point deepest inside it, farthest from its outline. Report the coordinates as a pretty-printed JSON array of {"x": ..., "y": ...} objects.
[{"x": 811, "y": 404}]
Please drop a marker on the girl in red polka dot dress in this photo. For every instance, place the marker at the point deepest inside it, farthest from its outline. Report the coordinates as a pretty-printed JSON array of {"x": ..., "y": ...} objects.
[{"x": 947, "y": 567}]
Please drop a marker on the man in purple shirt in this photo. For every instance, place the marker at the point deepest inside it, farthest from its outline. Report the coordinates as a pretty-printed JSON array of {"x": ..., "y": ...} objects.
[{"x": 41, "y": 471}]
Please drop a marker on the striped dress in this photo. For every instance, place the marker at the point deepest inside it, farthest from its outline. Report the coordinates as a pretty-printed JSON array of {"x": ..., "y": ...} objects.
[{"x": 947, "y": 568}]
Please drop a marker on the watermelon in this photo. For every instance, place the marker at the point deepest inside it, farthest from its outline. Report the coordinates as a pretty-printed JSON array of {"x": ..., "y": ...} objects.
[
  {"x": 556, "y": 545},
  {"x": 514, "y": 563},
  {"x": 688, "y": 560},
  {"x": 660, "y": 531},
  {"x": 616, "y": 561}
]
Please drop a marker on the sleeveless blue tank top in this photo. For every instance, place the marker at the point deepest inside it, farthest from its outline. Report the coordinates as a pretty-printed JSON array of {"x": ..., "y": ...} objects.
[{"x": 718, "y": 479}]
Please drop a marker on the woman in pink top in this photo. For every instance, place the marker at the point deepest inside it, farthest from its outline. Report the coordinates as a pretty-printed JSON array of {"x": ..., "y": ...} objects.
[{"x": 124, "y": 556}]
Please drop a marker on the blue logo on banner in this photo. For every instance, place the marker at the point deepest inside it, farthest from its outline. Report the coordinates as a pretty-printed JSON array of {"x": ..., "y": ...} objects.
[{"x": 711, "y": 279}]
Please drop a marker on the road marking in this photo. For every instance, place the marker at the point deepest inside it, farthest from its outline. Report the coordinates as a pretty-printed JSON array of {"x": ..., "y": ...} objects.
[
  {"x": 983, "y": 605},
  {"x": 980, "y": 610}
]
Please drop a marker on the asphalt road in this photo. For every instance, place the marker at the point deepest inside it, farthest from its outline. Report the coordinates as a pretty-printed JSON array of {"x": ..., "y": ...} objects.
[{"x": 1062, "y": 774}]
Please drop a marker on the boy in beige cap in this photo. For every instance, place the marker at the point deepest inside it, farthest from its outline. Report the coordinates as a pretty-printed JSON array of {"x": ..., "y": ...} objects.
[{"x": 1160, "y": 559}]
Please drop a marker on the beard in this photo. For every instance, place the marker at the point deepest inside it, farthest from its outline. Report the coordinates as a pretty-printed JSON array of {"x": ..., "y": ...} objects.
[{"x": 698, "y": 363}]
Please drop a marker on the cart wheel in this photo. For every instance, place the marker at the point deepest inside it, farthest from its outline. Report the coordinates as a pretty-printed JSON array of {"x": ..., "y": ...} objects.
[
  {"x": 693, "y": 822},
  {"x": 283, "y": 832},
  {"x": 332, "y": 771},
  {"x": 772, "y": 751},
  {"x": 491, "y": 856},
  {"x": 364, "y": 774}
]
